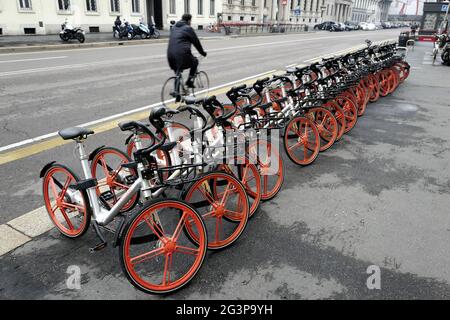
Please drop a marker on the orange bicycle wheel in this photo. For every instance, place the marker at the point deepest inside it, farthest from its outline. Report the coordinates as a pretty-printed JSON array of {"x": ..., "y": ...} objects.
[
  {"x": 302, "y": 140},
  {"x": 67, "y": 207},
  {"x": 155, "y": 254}
]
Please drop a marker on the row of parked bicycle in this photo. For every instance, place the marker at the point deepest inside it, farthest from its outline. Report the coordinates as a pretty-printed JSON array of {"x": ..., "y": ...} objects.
[{"x": 195, "y": 188}]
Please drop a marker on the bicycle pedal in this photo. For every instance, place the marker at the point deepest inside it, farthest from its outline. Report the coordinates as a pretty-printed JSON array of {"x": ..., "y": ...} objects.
[
  {"x": 107, "y": 196},
  {"x": 98, "y": 247}
]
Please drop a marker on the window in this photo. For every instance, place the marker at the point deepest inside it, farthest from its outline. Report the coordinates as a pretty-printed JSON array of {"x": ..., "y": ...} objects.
[
  {"x": 229, "y": 18},
  {"x": 242, "y": 2},
  {"x": 241, "y": 18},
  {"x": 63, "y": 5},
  {"x": 253, "y": 18},
  {"x": 212, "y": 7},
  {"x": 200, "y": 7},
  {"x": 230, "y": 1},
  {"x": 254, "y": 3},
  {"x": 187, "y": 6},
  {"x": 135, "y": 6},
  {"x": 115, "y": 5},
  {"x": 25, "y": 4},
  {"x": 91, "y": 5},
  {"x": 172, "y": 8},
  {"x": 29, "y": 30}
]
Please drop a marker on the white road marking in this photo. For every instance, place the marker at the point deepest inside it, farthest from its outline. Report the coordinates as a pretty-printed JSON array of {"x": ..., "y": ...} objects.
[
  {"x": 118, "y": 115},
  {"x": 10, "y": 239},
  {"x": 35, "y": 59}
]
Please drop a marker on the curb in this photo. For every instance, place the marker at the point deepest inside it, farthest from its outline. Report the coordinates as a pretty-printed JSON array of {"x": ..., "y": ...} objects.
[{"x": 51, "y": 47}]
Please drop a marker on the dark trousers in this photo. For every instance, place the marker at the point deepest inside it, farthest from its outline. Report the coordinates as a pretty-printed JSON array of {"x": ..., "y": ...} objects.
[{"x": 180, "y": 63}]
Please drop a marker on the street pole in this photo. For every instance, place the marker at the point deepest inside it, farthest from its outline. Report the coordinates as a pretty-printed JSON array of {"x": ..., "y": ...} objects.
[{"x": 446, "y": 17}]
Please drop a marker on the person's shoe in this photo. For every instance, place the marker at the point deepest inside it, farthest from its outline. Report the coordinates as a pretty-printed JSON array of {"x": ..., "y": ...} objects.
[{"x": 190, "y": 83}]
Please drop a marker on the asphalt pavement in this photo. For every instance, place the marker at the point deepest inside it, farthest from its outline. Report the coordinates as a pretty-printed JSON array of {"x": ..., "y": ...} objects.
[{"x": 378, "y": 197}]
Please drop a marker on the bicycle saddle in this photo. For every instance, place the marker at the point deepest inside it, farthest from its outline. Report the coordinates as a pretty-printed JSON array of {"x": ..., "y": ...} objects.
[
  {"x": 158, "y": 112},
  {"x": 74, "y": 133},
  {"x": 130, "y": 125}
]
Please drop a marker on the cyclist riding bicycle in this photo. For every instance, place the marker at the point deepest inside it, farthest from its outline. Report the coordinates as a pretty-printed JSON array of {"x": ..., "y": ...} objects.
[{"x": 179, "y": 52}]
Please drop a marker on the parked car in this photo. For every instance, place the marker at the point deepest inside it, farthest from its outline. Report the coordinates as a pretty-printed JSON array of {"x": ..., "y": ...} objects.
[
  {"x": 367, "y": 26},
  {"x": 338, "y": 26},
  {"x": 326, "y": 25},
  {"x": 350, "y": 26},
  {"x": 378, "y": 26}
]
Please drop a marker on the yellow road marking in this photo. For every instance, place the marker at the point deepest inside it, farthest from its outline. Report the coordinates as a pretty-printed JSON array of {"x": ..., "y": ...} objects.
[{"x": 39, "y": 147}]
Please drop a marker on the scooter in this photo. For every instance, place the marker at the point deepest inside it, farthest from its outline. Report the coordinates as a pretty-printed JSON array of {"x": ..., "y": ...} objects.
[
  {"x": 70, "y": 33},
  {"x": 154, "y": 33},
  {"x": 124, "y": 31},
  {"x": 439, "y": 43},
  {"x": 445, "y": 56},
  {"x": 141, "y": 30}
]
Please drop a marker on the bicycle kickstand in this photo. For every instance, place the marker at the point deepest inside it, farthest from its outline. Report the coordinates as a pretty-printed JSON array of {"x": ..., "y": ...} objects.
[{"x": 100, "y": 235}]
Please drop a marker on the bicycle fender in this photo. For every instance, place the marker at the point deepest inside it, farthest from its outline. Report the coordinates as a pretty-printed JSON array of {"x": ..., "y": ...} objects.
[
  {"x": 127, "y": 141},
  {"x": 45, "y": 169},
  {"x": 94, "y": 153},
  {"x": 119, "y": 232}
]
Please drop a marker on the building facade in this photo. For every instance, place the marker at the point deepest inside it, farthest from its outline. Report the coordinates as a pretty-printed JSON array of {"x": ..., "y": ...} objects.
[
  {"x": 242, "y": 11},
  {"x": 366, "y": 11},
  {"x": 309, "y": 12},
  {"x": 204, "y": 12},
  {"x": 18, "y": 17},
  {"x": 46, "y": 16},
  {"x": 384, "y": 9}
]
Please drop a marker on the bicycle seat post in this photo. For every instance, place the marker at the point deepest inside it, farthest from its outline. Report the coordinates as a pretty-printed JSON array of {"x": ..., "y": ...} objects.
[{"x": 84, "y": 159}]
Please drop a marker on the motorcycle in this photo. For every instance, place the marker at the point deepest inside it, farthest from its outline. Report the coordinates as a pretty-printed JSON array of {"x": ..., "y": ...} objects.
[
  {"x": 154, "y": 33},
  {"x": 439, "y": 43},
  {"x": 144, "y": 31},
  {"x": 445, "y": 56},
  {"x": 124, "y": 31},
  {"x": 70, "y": 33}
]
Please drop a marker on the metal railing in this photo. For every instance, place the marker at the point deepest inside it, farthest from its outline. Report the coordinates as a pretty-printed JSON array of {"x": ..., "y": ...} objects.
[{"x": 253, "y": 28}]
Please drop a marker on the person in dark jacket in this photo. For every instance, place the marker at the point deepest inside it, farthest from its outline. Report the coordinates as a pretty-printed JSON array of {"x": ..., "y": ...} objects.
[
  {"x": 117, "y": 22},
  {"x": 179, "y": 52}
]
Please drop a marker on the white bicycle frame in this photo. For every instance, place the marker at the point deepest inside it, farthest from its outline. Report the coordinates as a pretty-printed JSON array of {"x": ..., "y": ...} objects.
[{"x": 100, "y": 214}]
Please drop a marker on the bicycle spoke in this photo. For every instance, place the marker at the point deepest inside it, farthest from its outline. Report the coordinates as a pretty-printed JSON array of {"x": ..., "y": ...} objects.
[
  {"x": 156, "y": 229},
  {"x": 208, "y": 196},
  {"x": 147, "y": 256},
  {"x": 166, "y": 269},
  {"x": 187, "y": 250},
  {"x": 73, "y": 206},
  {"x": 53, "y": 187},
  {"x": 66, "y": 218},
  {"x": 176, "y": 233},
  {"x": 233, "y": 215}
]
